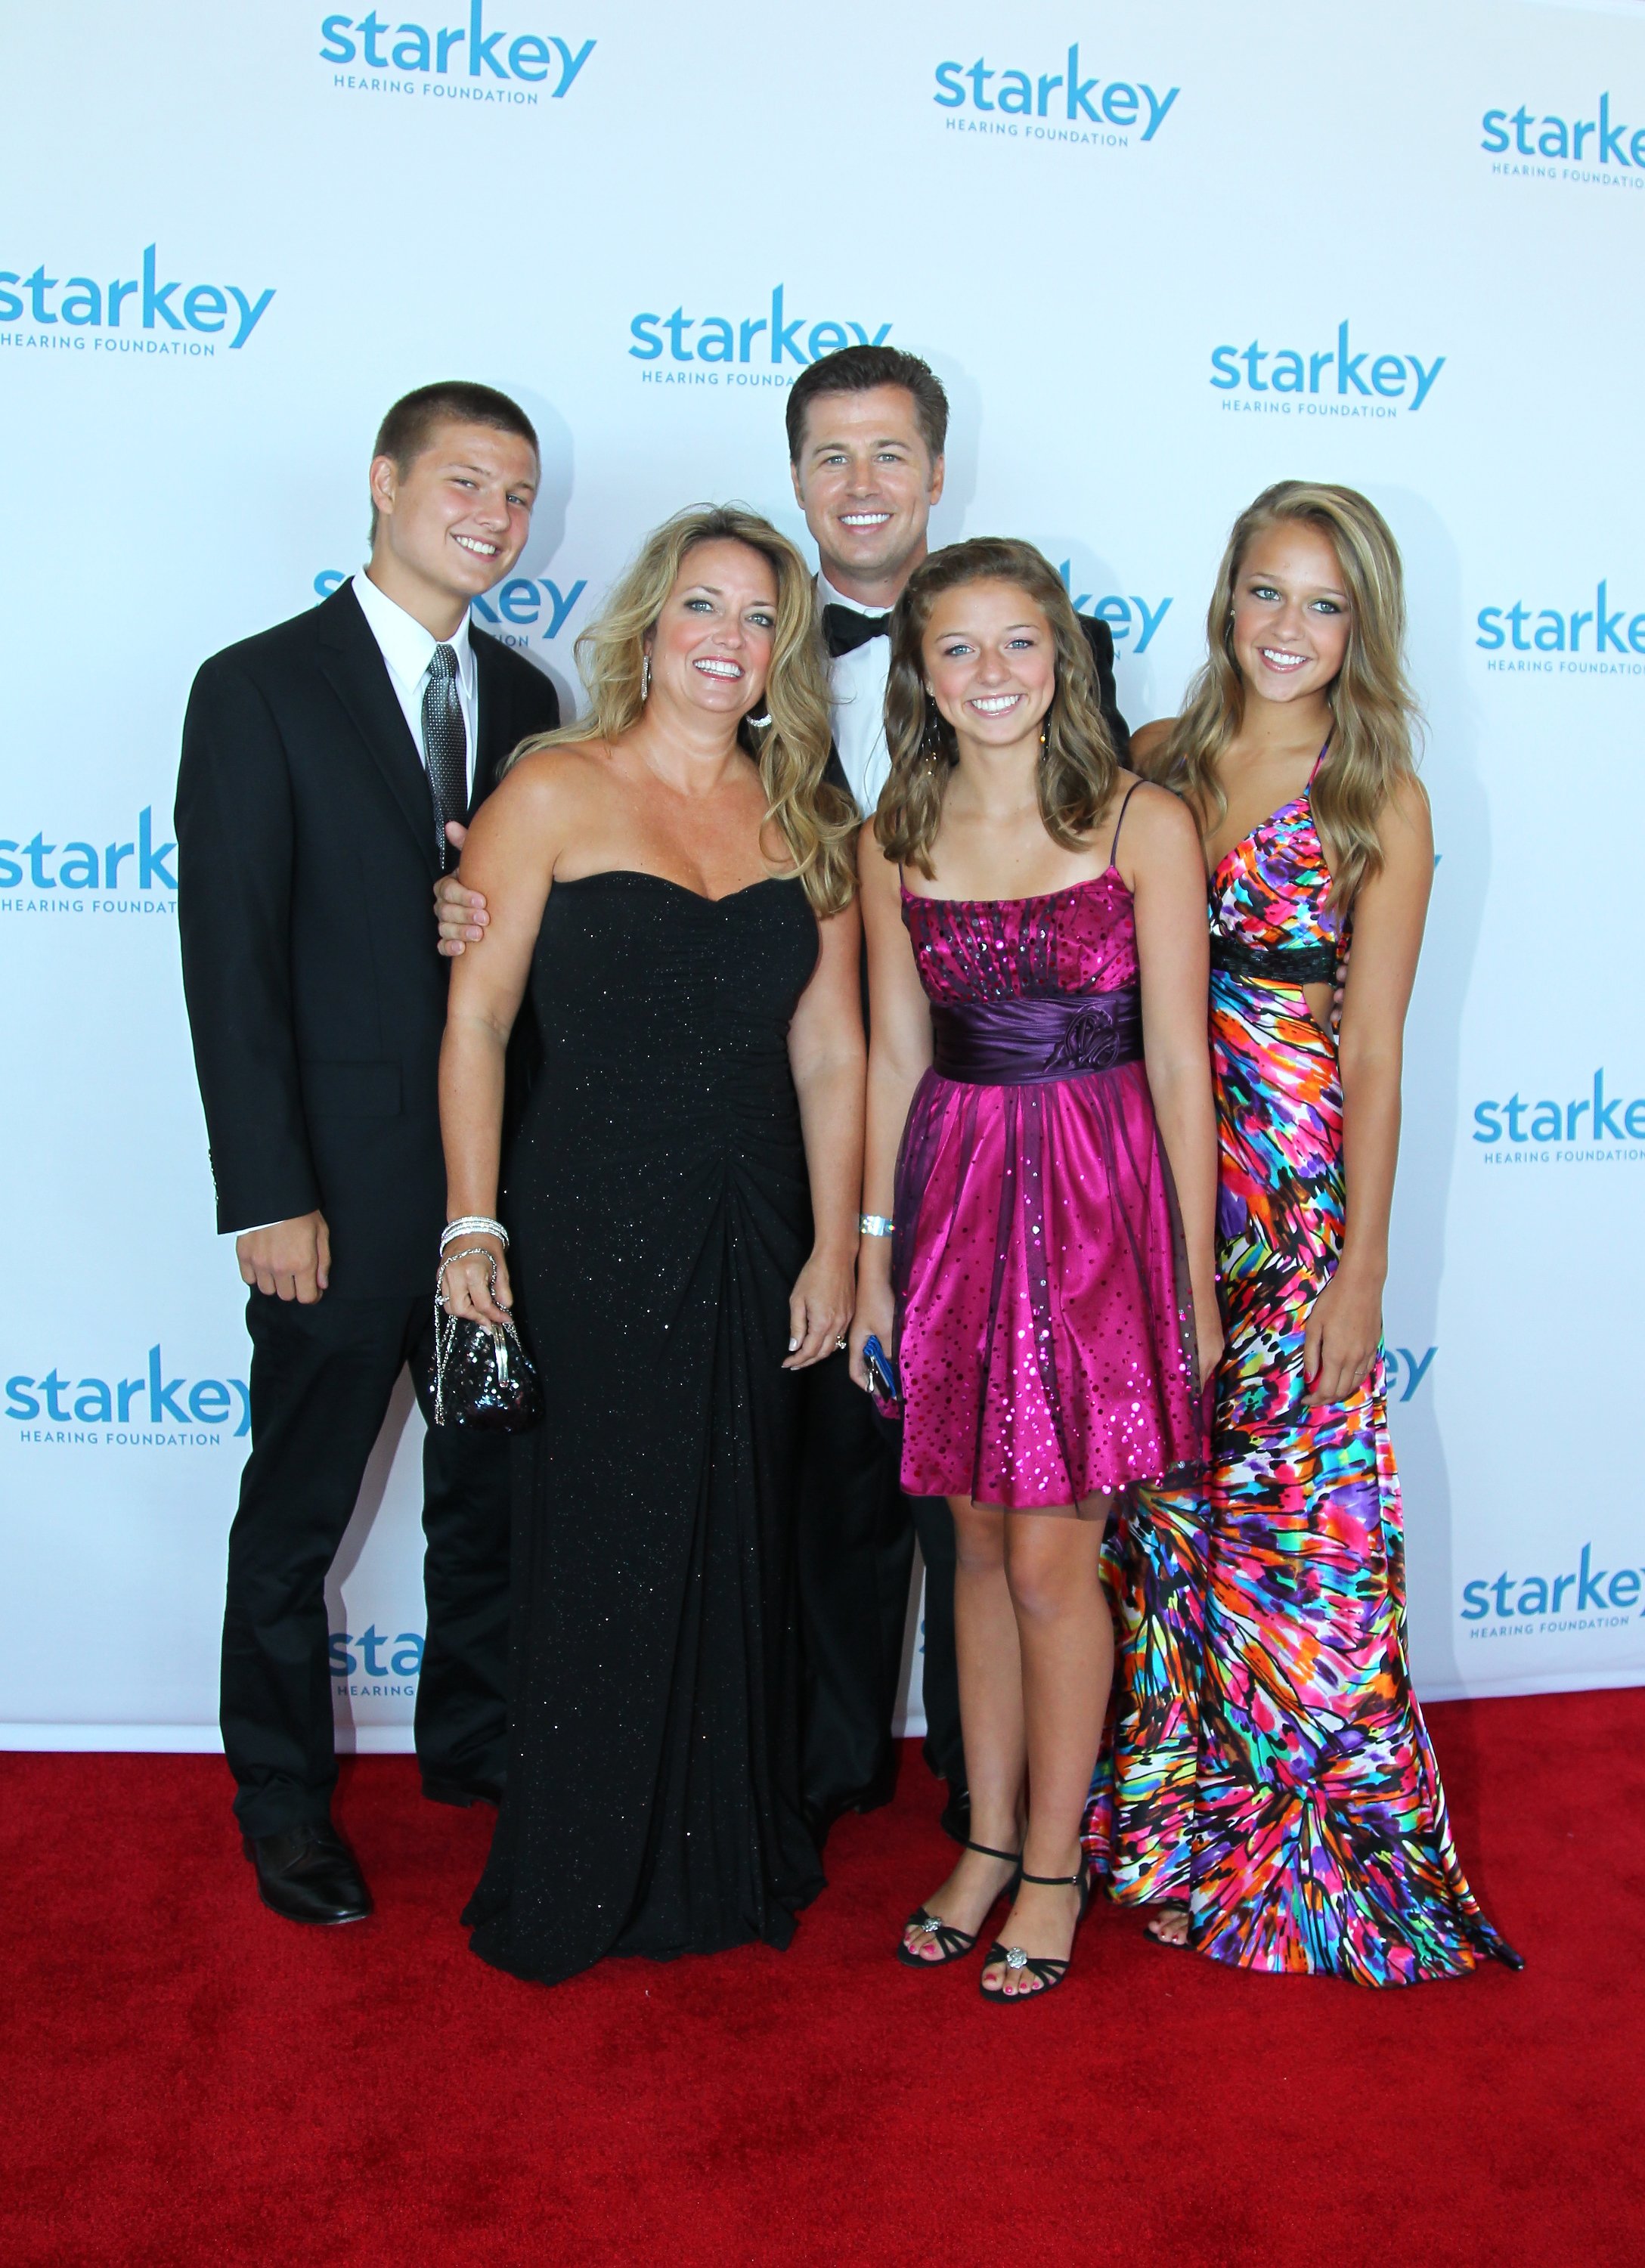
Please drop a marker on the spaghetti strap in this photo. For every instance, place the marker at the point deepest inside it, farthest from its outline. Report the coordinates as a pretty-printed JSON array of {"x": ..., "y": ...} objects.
[{"x": 1119, "y": 823}]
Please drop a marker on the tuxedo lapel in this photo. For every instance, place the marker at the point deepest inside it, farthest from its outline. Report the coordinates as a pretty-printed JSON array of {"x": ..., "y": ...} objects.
[{"x": 353, "y": 663}]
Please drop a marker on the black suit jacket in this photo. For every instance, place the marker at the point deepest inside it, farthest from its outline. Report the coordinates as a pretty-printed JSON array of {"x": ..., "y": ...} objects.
[
  {"x": 317, "y": 997},
  {"x": 1100, "y": 638}
]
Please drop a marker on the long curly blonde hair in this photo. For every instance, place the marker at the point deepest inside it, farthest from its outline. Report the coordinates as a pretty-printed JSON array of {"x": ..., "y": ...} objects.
[
  {"x": 790, "y": 745},
  {"x": 1375, "y": 717},
  {"x": 1077, "y": 769}
]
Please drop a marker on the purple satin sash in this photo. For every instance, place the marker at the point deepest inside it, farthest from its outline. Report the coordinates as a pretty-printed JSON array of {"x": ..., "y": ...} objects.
[{"x": 1026, "y": 1041}]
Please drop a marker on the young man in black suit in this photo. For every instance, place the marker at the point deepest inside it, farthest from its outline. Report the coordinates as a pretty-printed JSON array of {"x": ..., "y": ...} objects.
[{"x": 324, "y": 763}]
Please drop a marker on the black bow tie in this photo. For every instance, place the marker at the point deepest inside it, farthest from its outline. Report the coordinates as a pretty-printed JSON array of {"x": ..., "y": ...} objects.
[{"x": 845, "y": 629}]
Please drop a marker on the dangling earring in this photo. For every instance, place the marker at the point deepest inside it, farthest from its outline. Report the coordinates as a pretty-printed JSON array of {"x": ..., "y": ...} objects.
[
  {"x": 929, "y": 741},
  {"x": 644, "y": 679},
  {"x": 758, "y": 723}
]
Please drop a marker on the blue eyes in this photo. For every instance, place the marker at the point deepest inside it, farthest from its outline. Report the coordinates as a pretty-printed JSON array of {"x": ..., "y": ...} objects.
[
  {"x": 1265, "y": 592},
  {"x": 760, "y": 621}
]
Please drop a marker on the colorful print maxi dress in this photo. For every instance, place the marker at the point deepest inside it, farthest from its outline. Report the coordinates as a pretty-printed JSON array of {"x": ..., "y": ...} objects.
[{"x": 1268, "y": 1761}]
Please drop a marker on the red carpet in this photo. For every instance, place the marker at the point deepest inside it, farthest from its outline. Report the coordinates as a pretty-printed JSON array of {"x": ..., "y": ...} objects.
[{"x": 189, "y": 2079}]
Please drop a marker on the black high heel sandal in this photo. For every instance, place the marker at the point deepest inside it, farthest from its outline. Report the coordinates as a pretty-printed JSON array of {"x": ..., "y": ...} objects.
[
  {"x": 954, "y": 1944},
  {"x": 1049, "y": 1971}
]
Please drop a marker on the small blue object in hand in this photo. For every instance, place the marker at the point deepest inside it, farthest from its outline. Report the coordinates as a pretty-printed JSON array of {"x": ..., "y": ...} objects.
[{"x": 882, "y": 1374}]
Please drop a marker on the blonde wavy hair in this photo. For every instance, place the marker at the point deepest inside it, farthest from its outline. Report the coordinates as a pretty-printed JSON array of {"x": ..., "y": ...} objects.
[
  {"x": 1077, "y": 769},
  {"x": 790, "y": 742},
  {"x": 1375, "y": 717}
]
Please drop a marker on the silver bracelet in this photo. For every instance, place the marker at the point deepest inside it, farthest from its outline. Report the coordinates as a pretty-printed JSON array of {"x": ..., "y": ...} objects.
[
  {"x": 473, "y": 1224},
  {"x": 875, "y": 1224}
]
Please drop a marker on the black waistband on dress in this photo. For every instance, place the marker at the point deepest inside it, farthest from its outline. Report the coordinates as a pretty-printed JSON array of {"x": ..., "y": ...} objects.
[
  {"x": 1274, "y": 964},
  {"x": 1025, "y": 1041}
]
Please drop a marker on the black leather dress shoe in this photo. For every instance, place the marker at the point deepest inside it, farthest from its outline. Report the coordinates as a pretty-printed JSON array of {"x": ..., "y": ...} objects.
[
  {"x": 309, "y": 1873},
  {"x": 462, "y": 1793}
]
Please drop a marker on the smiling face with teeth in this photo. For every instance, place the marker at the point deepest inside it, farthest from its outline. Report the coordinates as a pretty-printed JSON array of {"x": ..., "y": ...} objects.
[
  {"x": 989, "y": 663},
  {"x": 453, "y": 521},
  {"x": 866, "y": 481},
  {"x": 711, "y": 647},
  {"x": 1292, "y": 613}
]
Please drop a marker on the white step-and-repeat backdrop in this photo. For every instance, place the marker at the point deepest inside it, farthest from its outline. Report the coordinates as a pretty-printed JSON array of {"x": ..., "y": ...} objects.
[{"x": 1160, "y": 256}]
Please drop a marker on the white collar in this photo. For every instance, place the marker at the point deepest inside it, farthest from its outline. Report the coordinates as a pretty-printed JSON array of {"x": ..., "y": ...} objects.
[
  {"x": 827, "y": 596},
  {"x": 407, "y": 647}
]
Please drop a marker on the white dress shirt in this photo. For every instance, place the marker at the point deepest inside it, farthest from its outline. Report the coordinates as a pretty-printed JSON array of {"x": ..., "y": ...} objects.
[
  {"x": 408, "y": 649},
  {"x": 856, "y": 704}
]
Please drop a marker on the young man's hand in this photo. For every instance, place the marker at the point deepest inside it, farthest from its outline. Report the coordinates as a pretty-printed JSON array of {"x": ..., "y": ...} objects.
[
  {"x": 460, "y": 914},
  {"x": 288, "y": 1260}
]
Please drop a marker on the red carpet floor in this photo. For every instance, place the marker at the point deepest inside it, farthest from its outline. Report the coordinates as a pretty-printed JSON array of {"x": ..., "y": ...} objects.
[{"x": 188, "y": 2079}]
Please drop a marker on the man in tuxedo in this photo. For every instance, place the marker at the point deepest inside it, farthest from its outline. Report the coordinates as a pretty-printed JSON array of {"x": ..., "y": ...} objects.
[
  {"x": 324, "y": 763},
  {"x": 867, "y": 427}
]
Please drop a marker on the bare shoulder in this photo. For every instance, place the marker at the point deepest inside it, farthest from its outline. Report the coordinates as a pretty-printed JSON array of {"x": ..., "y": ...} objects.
[
  {"x": 1406, "y": 812},
  {"x": 546, "y": 796},
  {"x": 1154, "y": 817},
  {"x": 1147, "y": 742},
  {"x": 564, "y": 768}
]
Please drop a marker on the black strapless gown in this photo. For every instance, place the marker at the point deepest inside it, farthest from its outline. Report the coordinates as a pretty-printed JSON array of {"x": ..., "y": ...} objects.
[{"x": 656, "y": 1200}]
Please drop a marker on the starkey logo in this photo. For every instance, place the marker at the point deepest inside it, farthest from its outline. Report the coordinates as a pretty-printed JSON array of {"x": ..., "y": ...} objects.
[
  {"x": 1124, "y": 616},
  {"x": 1598, "y": 641},
  {"x": 1333, "y": 380},
  {"x": 1070, "y": 104},
  {"x": 743, "y": 349},
  {"x": 1544, "y": 145},
  {"x": 1593, "y": 1128},
  {"x": 127, "y": 315},
  {"x": 372, "y": 1657},
  {"x": 79, "y": 876},
  {"x": 148, "y": 1411},
  {"x": 460, "y": 61},
  {"x": 534, "y": 604},
  {"x": 1583, "y": 1597}
]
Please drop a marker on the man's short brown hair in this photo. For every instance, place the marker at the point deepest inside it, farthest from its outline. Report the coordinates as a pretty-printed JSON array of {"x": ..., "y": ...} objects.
[
  {"x": 406, "y": 431},
  {"x": 858, "y": 369}
]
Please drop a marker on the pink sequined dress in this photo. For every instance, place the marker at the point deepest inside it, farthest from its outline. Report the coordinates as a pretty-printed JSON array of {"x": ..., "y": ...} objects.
[{"x": 1045, "y": 1335}]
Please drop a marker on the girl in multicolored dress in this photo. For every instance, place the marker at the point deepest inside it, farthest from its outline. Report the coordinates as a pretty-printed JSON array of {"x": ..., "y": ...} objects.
[
  {"x": 1041, "y": 1134},
  {"x": 1271, "y": 1788}
]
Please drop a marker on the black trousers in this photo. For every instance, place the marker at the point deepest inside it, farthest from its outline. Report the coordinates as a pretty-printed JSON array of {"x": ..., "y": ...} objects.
[
  {"x": 855, "y": 1555},
  {"x": 320, "y": 1381}
]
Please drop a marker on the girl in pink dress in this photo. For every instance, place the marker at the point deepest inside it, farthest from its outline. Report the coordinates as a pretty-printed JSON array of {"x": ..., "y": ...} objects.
[{"x": 1042, "y": 1149}]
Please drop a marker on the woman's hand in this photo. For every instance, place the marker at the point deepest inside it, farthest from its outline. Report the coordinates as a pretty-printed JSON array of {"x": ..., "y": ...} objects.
[
  {"x": 875, "y": 1318},
  {"x": 1344, "y": 1329},
  {"x": 819, "y": 1310},
  {"x": 465, "y": 1281}
]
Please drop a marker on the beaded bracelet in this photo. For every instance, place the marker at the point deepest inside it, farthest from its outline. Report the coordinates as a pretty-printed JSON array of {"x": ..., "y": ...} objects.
[{"x": 473, "y": 1224}]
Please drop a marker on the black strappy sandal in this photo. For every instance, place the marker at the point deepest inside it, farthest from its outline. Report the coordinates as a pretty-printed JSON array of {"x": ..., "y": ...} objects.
[
  {"x": 953, "y": 1944},
  {"x": 1049, "y": 1972}
]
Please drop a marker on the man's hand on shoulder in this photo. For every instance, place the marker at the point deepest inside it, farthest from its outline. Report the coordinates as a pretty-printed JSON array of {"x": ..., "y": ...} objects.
[
  {"x": 459, "y": 913},
  {"x": 289, "y": 1259}
]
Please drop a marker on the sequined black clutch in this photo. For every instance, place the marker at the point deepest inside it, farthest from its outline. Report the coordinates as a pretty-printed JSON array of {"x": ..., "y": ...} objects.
[{"x": 484, "y": 1378}]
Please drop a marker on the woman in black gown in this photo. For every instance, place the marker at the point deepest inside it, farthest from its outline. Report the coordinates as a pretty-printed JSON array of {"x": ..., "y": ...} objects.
[{"x": 675, "y": 885}]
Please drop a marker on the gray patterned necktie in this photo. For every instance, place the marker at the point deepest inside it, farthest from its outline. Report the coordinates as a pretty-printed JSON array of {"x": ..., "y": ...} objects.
[{"x": 445, "y": 747}]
